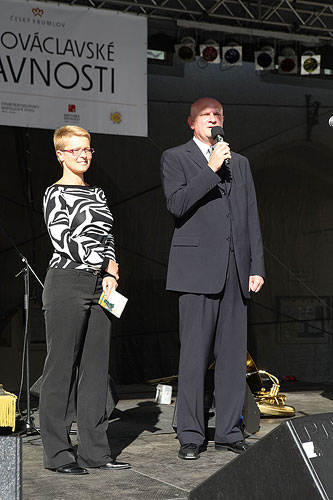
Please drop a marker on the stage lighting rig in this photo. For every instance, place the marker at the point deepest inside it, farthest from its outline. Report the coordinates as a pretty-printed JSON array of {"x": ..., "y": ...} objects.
[
  {"x": 310, "y": 63},
  {"x": 288, "y": 61},
  {"x": 264, "y": 58},
  {"x": 210, "y": 52},
  {"x": 185, "y": 50},
  {"x": 232, "y": 55}
]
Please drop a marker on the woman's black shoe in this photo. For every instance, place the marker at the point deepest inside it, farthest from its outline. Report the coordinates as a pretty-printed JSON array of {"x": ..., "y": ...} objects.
[
  {"x": 72, "y": 468},
  {"x": 114, "y": 465}
]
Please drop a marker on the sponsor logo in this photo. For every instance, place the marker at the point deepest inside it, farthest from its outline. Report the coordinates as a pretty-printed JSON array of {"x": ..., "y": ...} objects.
[
  {"x": 38, "y": 18},
  {"x": 13, "y": 108},
  {"x": 115, "y": 117},
  {"x": 71, "y": 117},
  {"x": 37, "y": 12}
]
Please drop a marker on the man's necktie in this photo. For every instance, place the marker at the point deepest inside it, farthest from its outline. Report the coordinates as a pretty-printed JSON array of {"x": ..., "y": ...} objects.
[{"x": 220, "y": 172}]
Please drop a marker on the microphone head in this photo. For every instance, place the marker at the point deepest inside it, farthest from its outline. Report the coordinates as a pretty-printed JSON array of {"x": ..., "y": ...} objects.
[
  {"x": 218, "y": 131},
  {"x": 330, "y": 121}
]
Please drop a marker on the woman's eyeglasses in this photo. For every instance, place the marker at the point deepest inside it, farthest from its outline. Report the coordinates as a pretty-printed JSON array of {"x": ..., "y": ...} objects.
[{"x": 78, "y": 151}]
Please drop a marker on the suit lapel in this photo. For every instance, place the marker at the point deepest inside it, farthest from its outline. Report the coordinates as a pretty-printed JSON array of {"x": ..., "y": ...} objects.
[{"x": 196, "y": 155}]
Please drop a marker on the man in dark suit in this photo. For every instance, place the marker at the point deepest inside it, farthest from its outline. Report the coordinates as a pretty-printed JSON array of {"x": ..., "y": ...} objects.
[{"x": 216, "y": 259}]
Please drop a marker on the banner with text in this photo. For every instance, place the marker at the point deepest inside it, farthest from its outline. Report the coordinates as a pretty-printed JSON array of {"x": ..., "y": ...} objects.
[{"x": 63, "y": 65}]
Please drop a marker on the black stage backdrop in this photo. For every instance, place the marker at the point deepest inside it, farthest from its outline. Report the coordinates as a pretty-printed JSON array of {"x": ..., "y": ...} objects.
[{"x": 290, "y": 329}]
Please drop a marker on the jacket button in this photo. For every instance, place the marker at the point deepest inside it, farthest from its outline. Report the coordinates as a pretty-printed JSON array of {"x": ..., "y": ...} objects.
[
  {"x": 228, "y": 215},
  {"x": 228, "y": 239}
]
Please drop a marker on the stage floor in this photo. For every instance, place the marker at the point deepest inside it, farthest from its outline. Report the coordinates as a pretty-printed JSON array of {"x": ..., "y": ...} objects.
[{"x": 141, "y": 433}]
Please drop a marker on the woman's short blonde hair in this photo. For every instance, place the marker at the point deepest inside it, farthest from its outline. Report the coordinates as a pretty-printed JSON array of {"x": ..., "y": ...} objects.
[{"x": 61, "y": 135}]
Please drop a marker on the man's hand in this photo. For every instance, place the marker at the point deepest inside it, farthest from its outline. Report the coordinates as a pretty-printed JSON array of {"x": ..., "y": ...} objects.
[
  {"x": 221, "y": 152},
  {"x": 255, "y": 283}
]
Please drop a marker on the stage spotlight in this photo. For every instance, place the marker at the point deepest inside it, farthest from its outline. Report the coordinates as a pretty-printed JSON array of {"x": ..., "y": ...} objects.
[
  {"x": 310, "y": 63},
  {"x": 210, "y": 52},
  {"x": 264, "y": 59},
  {"x": 185, "y": 50},
  {"x": 288, "y": 61},
  {"x": 232, "y": 55}
]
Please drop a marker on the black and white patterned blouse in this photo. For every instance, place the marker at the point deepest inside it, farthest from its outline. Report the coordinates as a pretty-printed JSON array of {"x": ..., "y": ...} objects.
[{"x": 79, "y": 223}]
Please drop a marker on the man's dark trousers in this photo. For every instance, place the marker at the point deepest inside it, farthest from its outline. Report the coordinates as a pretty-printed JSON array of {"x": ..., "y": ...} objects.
[{"x": 205, "y": 319}]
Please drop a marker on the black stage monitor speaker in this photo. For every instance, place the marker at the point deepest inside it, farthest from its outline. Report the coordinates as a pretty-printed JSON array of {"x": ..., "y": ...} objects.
[
  {"x": 293, "y": 462},
  {"x": 10, "y": 467}
]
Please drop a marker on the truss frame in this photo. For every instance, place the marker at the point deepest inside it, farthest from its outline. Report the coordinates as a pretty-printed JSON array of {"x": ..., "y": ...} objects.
[{"x": 304, "y": 17}]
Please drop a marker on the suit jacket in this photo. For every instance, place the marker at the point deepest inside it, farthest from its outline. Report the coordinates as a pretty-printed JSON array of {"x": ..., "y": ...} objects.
[{"x": 200, "y": 245}]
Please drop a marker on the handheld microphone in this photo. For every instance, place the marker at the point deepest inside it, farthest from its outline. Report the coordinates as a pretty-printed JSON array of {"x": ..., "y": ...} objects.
[{"x": 218, "y": 136}]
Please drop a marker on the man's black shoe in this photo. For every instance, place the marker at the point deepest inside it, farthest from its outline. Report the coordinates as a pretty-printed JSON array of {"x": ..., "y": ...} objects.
[
  {"x": 237, "y": 447},
  {"x": 189, "y": 451},
  {"x": 72, "y": 468}
]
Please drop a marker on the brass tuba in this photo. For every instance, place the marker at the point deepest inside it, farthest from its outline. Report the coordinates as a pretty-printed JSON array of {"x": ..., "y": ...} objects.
[{"x": 270, "y": 402}]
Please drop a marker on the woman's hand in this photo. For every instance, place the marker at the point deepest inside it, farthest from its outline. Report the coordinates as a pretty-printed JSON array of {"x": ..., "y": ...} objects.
[
  {"x": 113, "y": 268},
  {"x": 108, "y": 284}
]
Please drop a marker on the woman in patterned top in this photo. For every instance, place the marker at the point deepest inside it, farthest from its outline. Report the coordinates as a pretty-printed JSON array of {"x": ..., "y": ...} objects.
[{"x": 83, "y": 264}]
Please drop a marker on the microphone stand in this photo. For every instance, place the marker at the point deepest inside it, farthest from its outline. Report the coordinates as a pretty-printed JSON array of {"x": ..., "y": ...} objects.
[{"x": 26, "y": 302}]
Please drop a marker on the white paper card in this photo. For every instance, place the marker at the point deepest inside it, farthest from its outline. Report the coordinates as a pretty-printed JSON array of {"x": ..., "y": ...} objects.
[{"x": 115, "y": 303}]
